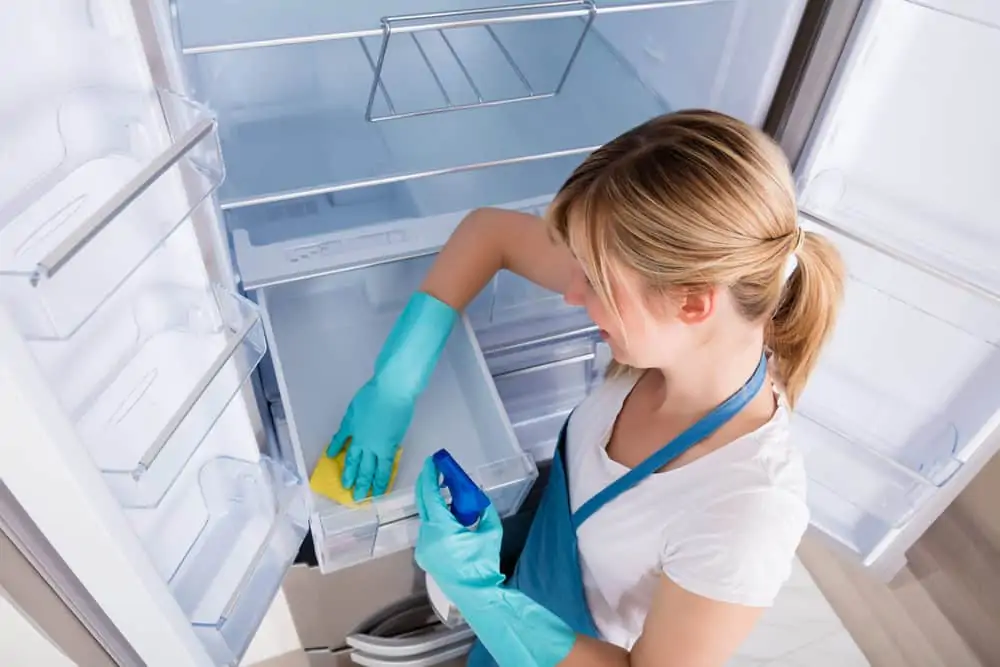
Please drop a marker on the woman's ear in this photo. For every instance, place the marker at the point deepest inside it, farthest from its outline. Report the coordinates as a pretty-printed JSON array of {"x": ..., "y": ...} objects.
[{"x": 696, "y": 306}]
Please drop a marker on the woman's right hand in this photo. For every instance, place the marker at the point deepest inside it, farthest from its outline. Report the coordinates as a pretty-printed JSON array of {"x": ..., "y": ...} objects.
[{"x": 374, "y": 425}]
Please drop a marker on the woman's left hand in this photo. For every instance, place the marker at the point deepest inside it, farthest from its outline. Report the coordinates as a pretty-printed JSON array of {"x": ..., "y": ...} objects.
[{"x": 461, "y": 560}]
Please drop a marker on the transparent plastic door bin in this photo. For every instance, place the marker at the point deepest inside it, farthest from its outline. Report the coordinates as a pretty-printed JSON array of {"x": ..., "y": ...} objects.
[
  {"x": 253, "y": 522},
  {"x": 903, "y": 395},
  {"x": 88, "y": 189},
  {"x": 145, "y": 380},
  {"x": 325, "y": 335}
]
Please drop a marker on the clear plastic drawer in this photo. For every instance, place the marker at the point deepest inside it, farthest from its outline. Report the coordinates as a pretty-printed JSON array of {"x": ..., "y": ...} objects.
[
  {"x": 325, "y": 334},
  {"x": 88, "y": 189},
  {"x": 146, "y": 378},
  {"x": 242, "y": 523},
  {"x": 540, "y": 385}
]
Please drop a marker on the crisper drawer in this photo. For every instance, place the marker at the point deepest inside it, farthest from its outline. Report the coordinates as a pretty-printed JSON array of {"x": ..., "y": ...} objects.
[
  {"x": 903, "y": 397},
  {"x": 89, "y": 187},
  {"x": 875, "y": 169},
  {"x": 325, "y": 334}
]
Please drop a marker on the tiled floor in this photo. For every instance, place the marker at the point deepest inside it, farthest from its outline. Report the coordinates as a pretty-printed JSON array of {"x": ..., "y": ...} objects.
[
  {"x": 800, "y": 630},
  {"x": 943, "y": 609}
]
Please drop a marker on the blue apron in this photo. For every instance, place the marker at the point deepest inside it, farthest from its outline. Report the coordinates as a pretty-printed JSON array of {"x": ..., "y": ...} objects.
[{"x": 548, "y": 570}]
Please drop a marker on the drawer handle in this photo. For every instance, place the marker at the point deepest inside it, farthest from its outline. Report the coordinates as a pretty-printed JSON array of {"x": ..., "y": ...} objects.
[
  {"x": 392, "y": 647},
  {"x": 568, "y": 361},
  {"x": 99, "y": 219}
]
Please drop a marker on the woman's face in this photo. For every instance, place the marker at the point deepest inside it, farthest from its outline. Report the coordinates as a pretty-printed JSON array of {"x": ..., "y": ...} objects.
[{"x": 647, "y": 335}]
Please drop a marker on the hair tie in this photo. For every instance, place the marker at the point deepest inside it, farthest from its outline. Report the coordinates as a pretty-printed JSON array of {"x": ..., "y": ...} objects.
[{"x": 792, "y": 261}]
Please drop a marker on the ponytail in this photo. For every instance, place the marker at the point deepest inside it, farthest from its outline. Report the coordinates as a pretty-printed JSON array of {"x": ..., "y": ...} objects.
[{"x": 806, "y": 313}]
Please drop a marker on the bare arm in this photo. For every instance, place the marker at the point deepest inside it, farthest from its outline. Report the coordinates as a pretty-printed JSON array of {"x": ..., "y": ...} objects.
[
  {"x": 681, "y": 630},
  {"x": 488, "y": 240}
]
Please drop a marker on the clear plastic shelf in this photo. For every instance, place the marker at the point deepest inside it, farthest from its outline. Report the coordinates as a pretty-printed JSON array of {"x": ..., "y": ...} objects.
[
  {"x": 88, "y": 190},
  {"x": 144, "y": 382},
  {"x": 917, "y": 437},
  {"x": 254, "y": 522},
  {"x": 325, "y": 334}
]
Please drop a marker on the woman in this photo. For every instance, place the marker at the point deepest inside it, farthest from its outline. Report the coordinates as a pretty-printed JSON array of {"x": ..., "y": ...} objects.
[{"x": 676, "y": 500}]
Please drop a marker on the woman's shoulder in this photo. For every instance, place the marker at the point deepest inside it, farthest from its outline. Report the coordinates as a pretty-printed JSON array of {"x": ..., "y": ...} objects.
[{"x": 738, "y": 544}]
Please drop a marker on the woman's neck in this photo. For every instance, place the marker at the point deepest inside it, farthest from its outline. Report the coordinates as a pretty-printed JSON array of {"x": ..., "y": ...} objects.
[{"x": 708, "y": 376}]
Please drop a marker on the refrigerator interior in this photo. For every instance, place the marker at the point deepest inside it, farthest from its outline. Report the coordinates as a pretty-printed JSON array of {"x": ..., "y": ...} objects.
[
  {"x": 906, "y": 394},
  {"x": 356, "y": 137}
]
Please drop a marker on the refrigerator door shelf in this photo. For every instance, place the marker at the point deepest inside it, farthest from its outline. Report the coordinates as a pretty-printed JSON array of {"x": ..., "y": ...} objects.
[
  {"x": 888, "y": 163},
  {"x": 325, "y": 334},
  {"x": 101, "y": 191},
  {"x": 145, "y": 380},
  {"x": 902, "y": 397},
  {"x": 252, "y": 518},
  {"x": 856, "y": 497}
]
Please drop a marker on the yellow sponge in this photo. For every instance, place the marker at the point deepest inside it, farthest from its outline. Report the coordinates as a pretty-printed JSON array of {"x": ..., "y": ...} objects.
[{"x": 325, "y": 479}]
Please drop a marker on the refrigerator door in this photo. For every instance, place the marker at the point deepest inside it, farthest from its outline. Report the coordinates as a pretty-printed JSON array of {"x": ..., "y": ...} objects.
[
  {"x": 128, "y": 434},
  {"x": 902, "y": 410}
]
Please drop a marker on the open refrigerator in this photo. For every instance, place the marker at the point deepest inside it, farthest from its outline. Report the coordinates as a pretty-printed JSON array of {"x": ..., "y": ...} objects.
[{"x": 212, "y": 211}]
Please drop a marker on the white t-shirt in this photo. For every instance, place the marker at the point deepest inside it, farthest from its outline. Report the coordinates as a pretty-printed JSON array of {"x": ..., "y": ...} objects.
[{"x": 724, "y": 526}]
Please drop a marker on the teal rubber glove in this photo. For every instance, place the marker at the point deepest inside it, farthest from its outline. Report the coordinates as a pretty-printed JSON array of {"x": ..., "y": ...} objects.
[
  {"x": 465, "y": 563},
  {"x": 380, "y": 412}
]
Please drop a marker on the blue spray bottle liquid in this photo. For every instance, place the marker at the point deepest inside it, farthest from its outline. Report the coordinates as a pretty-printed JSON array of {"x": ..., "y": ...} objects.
[{"x": 468, "y": 502}]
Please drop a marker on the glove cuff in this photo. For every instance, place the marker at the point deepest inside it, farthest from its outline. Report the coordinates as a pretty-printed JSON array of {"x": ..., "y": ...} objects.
[
  {"x": 515, "y": 629},
  {"x": 416, "y": 341}
]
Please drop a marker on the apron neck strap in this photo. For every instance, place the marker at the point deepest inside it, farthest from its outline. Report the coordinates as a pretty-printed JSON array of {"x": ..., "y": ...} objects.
[{"x": 694, "y": 434}]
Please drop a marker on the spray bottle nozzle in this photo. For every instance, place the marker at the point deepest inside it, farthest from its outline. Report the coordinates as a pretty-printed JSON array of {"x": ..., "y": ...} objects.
[{"x": 468, "y": 502}]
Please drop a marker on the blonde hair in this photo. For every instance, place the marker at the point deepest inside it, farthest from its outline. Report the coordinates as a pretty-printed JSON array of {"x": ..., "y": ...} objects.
[{"x": 695, "y": 199}]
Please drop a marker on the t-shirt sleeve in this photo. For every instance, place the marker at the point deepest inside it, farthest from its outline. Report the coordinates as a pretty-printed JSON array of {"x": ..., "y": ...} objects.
[{"x": 739, "y": 550}]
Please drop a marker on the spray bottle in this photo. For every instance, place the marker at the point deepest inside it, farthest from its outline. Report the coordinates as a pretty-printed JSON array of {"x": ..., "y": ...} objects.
[{"x": 468, "y": 502}]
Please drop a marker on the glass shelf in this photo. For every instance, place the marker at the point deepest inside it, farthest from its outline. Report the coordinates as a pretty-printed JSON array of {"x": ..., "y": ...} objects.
[
  {"x": 145, "y": 380},
  {"x": 99, "y": 181},
  {"x": 325, "y": 334},
  {"x": 298, "y": 131},
  {"x": 253, "y": 522},
  {"x": 207, "y": 26}
]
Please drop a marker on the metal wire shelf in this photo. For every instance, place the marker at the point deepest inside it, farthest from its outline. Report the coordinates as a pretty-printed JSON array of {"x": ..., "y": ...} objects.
[{"x": 484, "y": 20}]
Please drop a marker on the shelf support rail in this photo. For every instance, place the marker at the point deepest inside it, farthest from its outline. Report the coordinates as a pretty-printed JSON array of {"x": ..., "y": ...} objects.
[{"x": 485, "y": 18}]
